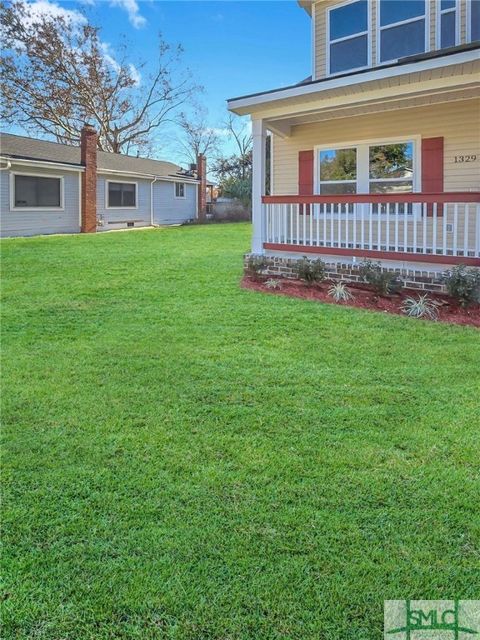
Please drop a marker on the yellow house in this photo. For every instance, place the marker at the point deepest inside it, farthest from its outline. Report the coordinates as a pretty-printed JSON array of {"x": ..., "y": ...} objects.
[{"x": 377, "y": 155}]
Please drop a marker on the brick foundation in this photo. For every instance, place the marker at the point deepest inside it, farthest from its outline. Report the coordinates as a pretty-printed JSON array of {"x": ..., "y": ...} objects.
[{"x": 412, "y": 278}]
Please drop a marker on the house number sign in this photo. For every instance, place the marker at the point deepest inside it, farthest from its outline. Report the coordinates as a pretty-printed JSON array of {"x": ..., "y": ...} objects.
[{"x": 469, "y": 158}]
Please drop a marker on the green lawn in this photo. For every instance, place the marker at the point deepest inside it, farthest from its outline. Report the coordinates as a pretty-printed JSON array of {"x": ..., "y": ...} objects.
[{"x": 184, "y": 459}]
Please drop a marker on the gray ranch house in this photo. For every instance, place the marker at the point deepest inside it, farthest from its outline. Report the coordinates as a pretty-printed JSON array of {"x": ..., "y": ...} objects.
[{"x": 46, "y": 188}]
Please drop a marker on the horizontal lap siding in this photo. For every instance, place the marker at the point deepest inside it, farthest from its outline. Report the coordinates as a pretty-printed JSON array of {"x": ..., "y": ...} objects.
[
  {"x": 457, "y": 122},
  {"x": 117, "y": 218},
  {"x": 32, "y": 223},
  {"x": 170, "y": 210}
]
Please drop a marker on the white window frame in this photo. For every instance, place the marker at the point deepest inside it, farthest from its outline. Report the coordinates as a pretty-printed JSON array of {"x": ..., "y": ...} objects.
[
  {"x": 363, "y": 177},
  {"x": 329, "y": 42},
  {"x": 379, "y": 29},
  {"x": 175, "y": 191},
  {"x": 468, "y": 16},
  {"x": 36, "y": 175},
  {"x": 438, "y": 20},
  {"x": 120, "y": 208}
]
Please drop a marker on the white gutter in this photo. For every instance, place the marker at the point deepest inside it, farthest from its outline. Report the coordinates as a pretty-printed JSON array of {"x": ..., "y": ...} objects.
[
  {"x": 136, "y": 174},
  {"x": 243, "y": 103},
  {"x": 9, "y": 164},
  {"x": 41, "y": 163}
]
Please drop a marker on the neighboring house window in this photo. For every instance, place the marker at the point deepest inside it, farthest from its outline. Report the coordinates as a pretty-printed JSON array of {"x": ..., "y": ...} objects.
[
  {"x": 447, "y": 24},
  {"x": 122, "y": 194},
  {"x": 402, "y": 29},
  {"x": 348, "y": 36},
  {"x": 473, "y": 20},
  {"x": 179, "y": 189},
  {"x": 37, "y": 192}
]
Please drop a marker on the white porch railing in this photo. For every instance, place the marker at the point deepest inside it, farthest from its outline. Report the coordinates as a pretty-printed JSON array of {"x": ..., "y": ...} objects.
[{"x": 430, "y": 225}]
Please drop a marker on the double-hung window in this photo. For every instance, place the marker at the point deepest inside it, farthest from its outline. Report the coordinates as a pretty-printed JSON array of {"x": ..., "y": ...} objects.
[
  {"x": 122, "y": 195},
  {"x": 402, "y": 29},
  {"x": 348, "y": 37},
  {"x": 473, "y": 20},
  {"x": 179, "y": 190},
  {"x": 36, "y": 192},
  {"x": 447, "y": 24}
]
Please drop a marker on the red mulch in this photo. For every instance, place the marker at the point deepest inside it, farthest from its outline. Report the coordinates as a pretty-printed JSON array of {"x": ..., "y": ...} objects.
[{"x": 365, "y": 298}]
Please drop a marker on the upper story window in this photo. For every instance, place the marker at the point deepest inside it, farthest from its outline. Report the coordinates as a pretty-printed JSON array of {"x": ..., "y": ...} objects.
[
  {"x": 473, "y": 20},
  {"x": 447, "y": 24},
  {"x": 36, "y": 192},
  {"x": 402, "y": 29},
  {"x": 122, "y": 194},
  {"x": 348, "y": 47}
]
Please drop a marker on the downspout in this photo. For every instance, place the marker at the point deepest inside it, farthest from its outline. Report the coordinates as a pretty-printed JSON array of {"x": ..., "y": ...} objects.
[{"x": 151, "y": 200}]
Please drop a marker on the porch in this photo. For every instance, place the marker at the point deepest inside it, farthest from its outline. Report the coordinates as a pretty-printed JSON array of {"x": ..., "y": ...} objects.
[{"x": 441, "y": 228}]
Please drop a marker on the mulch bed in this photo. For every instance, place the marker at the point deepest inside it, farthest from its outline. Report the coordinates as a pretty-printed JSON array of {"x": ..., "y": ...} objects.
[{"x": 365, "y": 298}]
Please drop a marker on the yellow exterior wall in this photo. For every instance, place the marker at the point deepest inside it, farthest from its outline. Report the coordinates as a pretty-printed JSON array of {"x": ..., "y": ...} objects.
[
  {"x": 320, "y": 30},
  {"x": 457, "y": 122}
]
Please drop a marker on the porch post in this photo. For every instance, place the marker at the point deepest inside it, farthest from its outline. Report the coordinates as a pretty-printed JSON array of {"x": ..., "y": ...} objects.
[{"x": 258, "y": 185}]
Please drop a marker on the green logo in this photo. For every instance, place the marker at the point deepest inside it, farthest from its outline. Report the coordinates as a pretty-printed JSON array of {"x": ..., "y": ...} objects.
[{"x": 432, "y": 619}]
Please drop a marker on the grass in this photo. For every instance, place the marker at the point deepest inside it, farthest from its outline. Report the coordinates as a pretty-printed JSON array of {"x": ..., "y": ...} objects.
[{"x": 187, "y": 460}]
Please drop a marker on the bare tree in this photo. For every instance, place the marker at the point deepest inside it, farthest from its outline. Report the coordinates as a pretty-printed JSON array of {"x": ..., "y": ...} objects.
[
  {"x": 56, "y": 74},
  {"x": 196, "y": 134}
]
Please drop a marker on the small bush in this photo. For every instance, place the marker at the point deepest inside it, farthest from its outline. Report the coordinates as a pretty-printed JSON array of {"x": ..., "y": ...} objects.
[
  {"x": 340, "y": 293},
  {"x": 463, "y": 284},
  {"x": 255, "y": 266},
  {"x": 271, "y": 283},
  {"x": 421, "y": 307},
  {"x": 384, "y": 282},
  {"x": 310, "y": 271}
]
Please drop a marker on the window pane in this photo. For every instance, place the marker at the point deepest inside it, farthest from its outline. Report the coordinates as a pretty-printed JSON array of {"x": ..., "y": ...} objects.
[
  {"x": 447, "y": 30},
  {"x": 402, "y": 41},
  {"x": 33, "y": 191},
  {"x": 338, "y": 189},
  {"x": 447, "y": 4},
  {"x": 114, "y": 195},
  {"x": 348, "y": 54},
  {"x": 404, "y": 186},
  {"x": 348, "y": 20},
  {"x": 391, "y": 161},
  {"x": 179, "y": 189},
  {"x": 338, "y": 164},
  {"x": 128, "y": 191},
  {"x": 475, "y": 18},
  {"x": 397, "y": 10}
]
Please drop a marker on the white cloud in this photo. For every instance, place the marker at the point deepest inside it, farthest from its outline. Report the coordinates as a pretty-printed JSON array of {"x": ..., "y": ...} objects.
[
  {"x": 41, "y": 8},
  {"x": 133, "y": 11}
]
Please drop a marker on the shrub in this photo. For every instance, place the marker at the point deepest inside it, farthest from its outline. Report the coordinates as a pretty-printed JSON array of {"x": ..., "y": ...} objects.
[
  {"x": 463, "y": 284},
  {"x": 310, "y": 270},
  {"x": 340, "y": 293},
  {"x": 384, "y": 282},
  {"x": 421, "y": 307},
  {"x": 271, "y": 283},
  {"x": 255, "y": 266}
]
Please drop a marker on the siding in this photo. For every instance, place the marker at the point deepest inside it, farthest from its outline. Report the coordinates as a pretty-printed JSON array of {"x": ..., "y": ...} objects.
[
  {"x": 170, "y": 210},
  {"x": 118, "y": 218},
  {"x": 457, "y": 122},
  {"x": 31, "y": 223},
  {"x": 320, "y": 29}
]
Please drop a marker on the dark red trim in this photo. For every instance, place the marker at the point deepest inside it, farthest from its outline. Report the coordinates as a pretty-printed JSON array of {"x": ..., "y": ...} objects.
[
  {"x": 451, "y": 197},
  {"x": 385, "y": 255}
]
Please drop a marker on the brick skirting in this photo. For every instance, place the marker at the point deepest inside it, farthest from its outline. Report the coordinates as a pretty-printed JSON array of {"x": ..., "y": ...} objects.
[{"x": 412, "y": 278}]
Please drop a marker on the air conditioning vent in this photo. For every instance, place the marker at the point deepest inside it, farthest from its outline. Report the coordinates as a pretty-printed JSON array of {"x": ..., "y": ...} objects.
[{"x": 130, "y": 224}]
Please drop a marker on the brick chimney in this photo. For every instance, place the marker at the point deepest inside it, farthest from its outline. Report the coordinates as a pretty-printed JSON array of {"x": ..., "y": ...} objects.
[
  {"x": 88, "y": 153},
  {"x": 202, "y": 187}
]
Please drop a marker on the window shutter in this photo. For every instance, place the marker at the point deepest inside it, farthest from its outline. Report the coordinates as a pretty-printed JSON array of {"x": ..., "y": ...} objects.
[
  {"x": 305, "y": 176},
  {"x": 432, "y": 169}
]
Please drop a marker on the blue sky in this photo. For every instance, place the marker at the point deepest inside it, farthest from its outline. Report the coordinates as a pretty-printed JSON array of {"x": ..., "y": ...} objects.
[{"x": 232, "y": 48}]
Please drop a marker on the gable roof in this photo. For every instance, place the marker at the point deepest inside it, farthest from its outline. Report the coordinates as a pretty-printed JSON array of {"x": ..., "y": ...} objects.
[{"x": 24, "y": 148}]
